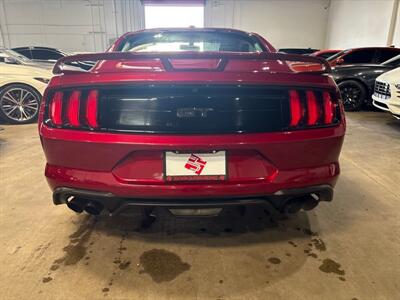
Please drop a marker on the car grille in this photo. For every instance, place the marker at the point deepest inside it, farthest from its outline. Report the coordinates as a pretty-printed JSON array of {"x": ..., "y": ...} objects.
[{"x": 382, "y": 90}]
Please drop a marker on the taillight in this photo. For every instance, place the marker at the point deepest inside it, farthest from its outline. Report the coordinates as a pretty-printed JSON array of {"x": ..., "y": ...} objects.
[
  {"x": 92, "y": 108},
  {"x": 312, "y": 108},
  {"x": 76, "y": 109},
  {"x": 55, "y": 111},
  {"x": 73, "y": 108},
  {"x": 329, "y": 108},
  {"x": 296, "y": 110}
]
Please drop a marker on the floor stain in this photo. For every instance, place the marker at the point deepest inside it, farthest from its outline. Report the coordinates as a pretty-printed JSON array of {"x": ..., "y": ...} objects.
[
  {"x": 162, "y": 265},
  {"x": 274, "y": 260},
  {"x": 292, "y": 243},
  {"x": 330, "y": 266},
  {"x": 46, "y": 279},
  {"x": 309, "y": 232},
  {"x": 16, "y": 249},
  {"x": 76, "y": 249},
  {"x": 124, "y": 265},
  {"x": 319, "y": 244}
]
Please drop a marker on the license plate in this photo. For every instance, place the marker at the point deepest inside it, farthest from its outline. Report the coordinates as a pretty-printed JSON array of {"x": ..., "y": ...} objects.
[{"x": 195, "y": 166}]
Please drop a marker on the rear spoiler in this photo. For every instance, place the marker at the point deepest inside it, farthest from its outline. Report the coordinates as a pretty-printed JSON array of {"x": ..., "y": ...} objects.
[{"x": 166, "y": 56}]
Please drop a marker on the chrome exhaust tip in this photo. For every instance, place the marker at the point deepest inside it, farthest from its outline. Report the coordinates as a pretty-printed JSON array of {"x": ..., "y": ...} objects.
[{"x": 76, "y": 204}]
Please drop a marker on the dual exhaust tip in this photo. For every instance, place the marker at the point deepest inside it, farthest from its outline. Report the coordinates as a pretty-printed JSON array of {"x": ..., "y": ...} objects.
[
  {"x": 307, "y": 202},
  {"x": 79, "y": 205}
]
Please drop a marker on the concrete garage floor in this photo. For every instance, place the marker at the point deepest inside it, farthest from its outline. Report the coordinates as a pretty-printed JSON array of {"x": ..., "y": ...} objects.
[{"x": 347, "y": 249}]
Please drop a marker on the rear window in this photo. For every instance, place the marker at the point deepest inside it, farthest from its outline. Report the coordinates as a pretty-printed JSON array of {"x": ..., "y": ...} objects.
[{"x": 190, "y": 41}]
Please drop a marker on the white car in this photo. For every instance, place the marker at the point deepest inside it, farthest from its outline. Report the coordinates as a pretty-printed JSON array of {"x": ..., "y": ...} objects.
[
  {"x": 387, "y": 92},
  {"x": 22, "y": 84}
]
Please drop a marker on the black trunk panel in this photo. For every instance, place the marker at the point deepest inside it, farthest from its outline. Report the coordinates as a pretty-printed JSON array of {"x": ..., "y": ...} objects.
[{"x": 193, "y": 108}]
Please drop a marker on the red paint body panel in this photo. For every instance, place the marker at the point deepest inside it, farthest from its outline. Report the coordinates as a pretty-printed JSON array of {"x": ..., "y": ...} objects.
[{"x": 131, "y": 165}]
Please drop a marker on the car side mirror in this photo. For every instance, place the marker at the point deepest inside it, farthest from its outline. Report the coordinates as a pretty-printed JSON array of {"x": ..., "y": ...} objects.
[
  {"x": 339, "y": 61},
  {"x": 10, "y": 60}
]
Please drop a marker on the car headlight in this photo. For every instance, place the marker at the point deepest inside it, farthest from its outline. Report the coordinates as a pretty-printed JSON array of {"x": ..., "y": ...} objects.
[{"x": 41, "y": 79}]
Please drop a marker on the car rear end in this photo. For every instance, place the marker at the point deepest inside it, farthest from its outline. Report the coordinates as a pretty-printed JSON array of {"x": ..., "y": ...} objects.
[{"x": 190, "y": 130}]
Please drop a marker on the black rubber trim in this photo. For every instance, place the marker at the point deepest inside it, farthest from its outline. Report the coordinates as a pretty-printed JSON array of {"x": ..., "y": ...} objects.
[{"x": 116, "y": 205}]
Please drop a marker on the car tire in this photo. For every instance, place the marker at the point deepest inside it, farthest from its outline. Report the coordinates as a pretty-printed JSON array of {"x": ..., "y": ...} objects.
[
  {"x": 19, "y": 104},
  {"x": 353, "y": 94}
]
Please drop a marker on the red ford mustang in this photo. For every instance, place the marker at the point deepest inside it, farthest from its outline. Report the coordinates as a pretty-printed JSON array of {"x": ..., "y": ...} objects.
[{"x": 191, "y": 118}]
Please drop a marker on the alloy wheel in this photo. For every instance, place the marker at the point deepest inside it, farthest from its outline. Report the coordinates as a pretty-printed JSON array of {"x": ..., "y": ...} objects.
[{"x": 19, "y": 104}]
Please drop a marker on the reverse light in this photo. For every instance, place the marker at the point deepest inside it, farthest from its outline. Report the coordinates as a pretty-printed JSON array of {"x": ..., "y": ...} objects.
[
  {"x": 55, "y": 110},
  {"x": 296, "y": 110},
  {"x": 92, "y": 108},
  {"x": 73, "y": 108}
]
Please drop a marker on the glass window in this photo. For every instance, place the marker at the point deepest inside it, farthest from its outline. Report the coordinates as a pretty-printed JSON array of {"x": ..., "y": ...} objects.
[
  {"x": 325, "y": 55},
  {"x": 200, "y": 41},
  {"x": 386, "y": 54},
  {"x": 18, "y": 57},
  {"x": 395, "y": 61},
  {"x": 45, "y": 54},
  {"x": 360, "y": 56},
  {"x": 334, "y": 56},
  {"x": 25, "y": 52}
]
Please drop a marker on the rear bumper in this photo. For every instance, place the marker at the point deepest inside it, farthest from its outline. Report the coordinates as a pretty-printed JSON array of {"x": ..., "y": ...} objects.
[
  {"x": 116, "y": 205},
  {"x": 128, "y": 166}
]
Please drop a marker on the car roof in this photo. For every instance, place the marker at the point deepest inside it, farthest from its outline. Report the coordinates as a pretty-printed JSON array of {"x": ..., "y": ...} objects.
[
  {"x": 364, "y": 48},
  {"x": 189, "y": 29},
  {"x": 36, "y": 47}
]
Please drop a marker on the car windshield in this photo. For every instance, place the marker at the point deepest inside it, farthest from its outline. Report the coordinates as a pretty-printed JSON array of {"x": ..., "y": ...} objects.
[
  {"x": 394, "y": 61},
  {"x": 172, "y": 41},
  {"x": 334, "y": 56},
  {"x": 18, "y": 57}
]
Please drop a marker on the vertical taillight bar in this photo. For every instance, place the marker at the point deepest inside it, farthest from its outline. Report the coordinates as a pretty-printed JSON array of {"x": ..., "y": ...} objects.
[
  {"x": 313, "y": 108},
  {"x": 296, "y": 110},
  {"x": 73, "y": 109},
  {"x": 92, "y": 109},
  {"x": 55, "y": 110},
  {"x": 329, "y": 108}
]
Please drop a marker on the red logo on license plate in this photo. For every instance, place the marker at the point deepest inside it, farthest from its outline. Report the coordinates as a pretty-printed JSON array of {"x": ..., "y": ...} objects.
[{"x": 195, "y": 164}]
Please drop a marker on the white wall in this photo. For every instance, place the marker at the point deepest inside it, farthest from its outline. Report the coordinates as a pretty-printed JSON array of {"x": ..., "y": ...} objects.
[
  {"x": 90, "y": 25},
  {"x": 355, "y": 23},
  {"x": 72, "y": 25},
  {"x": 285, "y": 23},
  {"x": 396, "y": 37}
]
